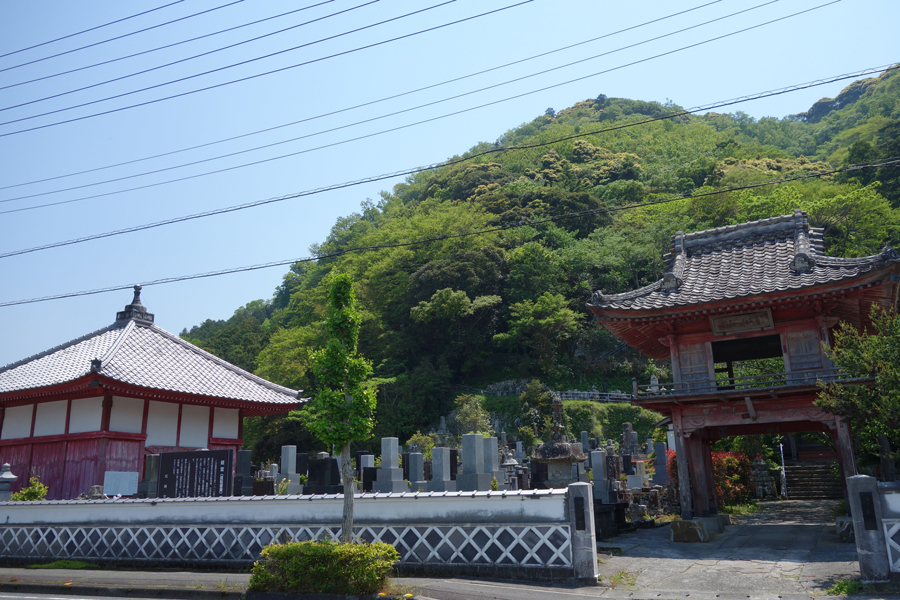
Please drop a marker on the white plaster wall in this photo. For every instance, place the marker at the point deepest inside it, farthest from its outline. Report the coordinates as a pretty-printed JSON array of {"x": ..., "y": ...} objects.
[
  {"x": 162, "y": 424},
  {"x": 194, "y": 426},
  {"x": 890, "y": 504},
  {"x": 127, "y": 414},
  {"x": 17, "y": 422},
  {"x": 86, "y": 415},
  {"x": 529, "y": 506},
  {"x": 50, "y": 418},
  {"x": 225, "y": 423}
]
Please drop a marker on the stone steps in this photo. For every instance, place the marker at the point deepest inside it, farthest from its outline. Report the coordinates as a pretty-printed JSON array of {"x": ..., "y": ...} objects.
[{"x": 813, "y": 482}]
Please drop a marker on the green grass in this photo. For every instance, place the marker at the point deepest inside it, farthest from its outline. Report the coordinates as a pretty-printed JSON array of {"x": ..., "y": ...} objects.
[
  {"x": 622, "y": 579},
  {"x": 844, "y": 587},
  {"x": 64, "y": 564},
  {"x": 739, "y": 510}
]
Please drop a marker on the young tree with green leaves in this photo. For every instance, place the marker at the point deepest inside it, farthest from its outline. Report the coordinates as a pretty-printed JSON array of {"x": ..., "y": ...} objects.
[{"x": 343, "y": 409}]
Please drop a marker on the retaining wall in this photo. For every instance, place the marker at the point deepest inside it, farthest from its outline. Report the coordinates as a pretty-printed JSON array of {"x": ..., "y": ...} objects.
[{"x": 536, "y": 534}]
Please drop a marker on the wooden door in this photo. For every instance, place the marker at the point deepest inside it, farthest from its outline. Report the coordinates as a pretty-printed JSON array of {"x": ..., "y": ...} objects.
[
  {"x": 693, "y": 363},
  {"x": 804, "y": 350}
]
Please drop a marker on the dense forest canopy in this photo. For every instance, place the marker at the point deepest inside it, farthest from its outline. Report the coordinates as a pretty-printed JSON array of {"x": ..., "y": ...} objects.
[{"x": 504, "y": 304}]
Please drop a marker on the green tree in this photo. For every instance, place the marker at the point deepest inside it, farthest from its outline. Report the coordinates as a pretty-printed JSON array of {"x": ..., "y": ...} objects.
[
  {"x": 343, "y": 409},
  {"x": 469, "y": 416},
  {"x": 541, "y": 326},
  {"x": 874, "y": 356}
]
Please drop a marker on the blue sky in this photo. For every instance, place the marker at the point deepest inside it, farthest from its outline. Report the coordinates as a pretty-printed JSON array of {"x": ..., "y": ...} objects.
[{"x": 836, "y": 38}]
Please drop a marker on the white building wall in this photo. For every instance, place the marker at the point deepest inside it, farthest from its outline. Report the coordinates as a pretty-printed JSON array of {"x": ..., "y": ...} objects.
[
  {"x": 194, "y": 426},
  {"x": 50, "y": 418},
  {"x": 127, "y": 414},
  {"x": 86, "y": 415},
  {"x": 225, "y": 423},
  {"x": 162, "y": 424},
  {"x": 17, "y": 422}
]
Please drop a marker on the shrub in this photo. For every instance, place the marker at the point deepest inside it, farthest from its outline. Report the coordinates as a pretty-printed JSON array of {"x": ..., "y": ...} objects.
[
  {"x": 732, "y": 475},
  {"x": 323, "y": 567},
  {"x": 35, "y": 491}
]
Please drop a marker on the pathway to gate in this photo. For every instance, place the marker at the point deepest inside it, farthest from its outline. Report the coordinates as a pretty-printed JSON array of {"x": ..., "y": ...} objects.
[{"x": 787, "y": 547}]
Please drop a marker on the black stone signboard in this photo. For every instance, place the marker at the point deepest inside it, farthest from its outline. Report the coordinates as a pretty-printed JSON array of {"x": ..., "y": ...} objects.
[{"x": 198, "y": 474}]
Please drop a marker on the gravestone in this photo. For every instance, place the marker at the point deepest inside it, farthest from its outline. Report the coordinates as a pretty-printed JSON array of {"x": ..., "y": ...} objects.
[
  {"x": 660, "y": 476},
  {"x": 359, "y": 462},
  {"x": 273, "y": 471},
  {"x": 404, "y": 464},
  {"x": 520, "y": 453},
  {"x": 149, "y": 487},
  {"x": 440, "y": 471},
  {"x": 389, "y": 478},
  {"x": 627, "y": 467},
  {"x": 288, "y": 459},
  {"x": 205, "y": 474},
  {"x": 417, "y": 472},
  {"x": 454, "y": 463},
  {"x": 120, "y": 483},
  {"x": 324, "y": 476},
  {"x": 473, "y": 478},
  {"x": 368, "y": 477},
  {"x": 586, "y": 446},
  {"x": 302, "y": 463},
  {"x": 492, "y": 462},
  {"x": 243, "y": 478},
  {"x": 503, "y": 438},
  {"x": 601, "y": 485}
]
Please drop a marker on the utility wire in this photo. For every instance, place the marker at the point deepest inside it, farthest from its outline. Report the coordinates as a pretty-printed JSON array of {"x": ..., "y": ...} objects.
[
  {"x": 218, "y": 85},
  {"x": 420, "y": 241},
  {"x": 405, "y": 172},
  {"x": 372, "y": 119},
  {"x": 119, "y": 37},
  {"x": 207, "y": 53},
  {"x": 369, "y": 103},
  {"x": 193, "y": 39},
  {"x": 90, "y": 29}
]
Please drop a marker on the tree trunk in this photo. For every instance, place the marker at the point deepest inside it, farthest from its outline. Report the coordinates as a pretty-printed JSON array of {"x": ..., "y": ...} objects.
[
  {"x": 888, "y": 471},
  {"x": 347, "y": 476}
]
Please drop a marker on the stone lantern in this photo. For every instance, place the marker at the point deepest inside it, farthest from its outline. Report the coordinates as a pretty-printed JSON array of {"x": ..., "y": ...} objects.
[
  {"x": 559, "y": 455},
  {"x": 7, "y": 479}
]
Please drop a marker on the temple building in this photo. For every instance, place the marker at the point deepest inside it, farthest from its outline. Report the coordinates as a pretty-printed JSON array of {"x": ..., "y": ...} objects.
[
  {"x": 759, "y": 290},
  {"x": 105, "y": 400}
]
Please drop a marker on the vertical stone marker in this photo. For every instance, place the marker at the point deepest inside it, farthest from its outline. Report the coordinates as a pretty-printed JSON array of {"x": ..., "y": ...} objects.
[
  {"x": 417, "y": 472},
  {"x": 389, "y": 477},
  {"x": 440, "y": 471},
  {"x": 288, "y": 459},
  {"x": 492, "y": 462},
  {"x": 473, "y": 478},
  {"x": 660, "y": 476},
  {"x": 584, "y": 538}
]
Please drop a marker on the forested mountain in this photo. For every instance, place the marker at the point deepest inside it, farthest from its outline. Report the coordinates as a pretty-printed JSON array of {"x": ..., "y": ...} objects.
[{"x": 509, "y": 303}]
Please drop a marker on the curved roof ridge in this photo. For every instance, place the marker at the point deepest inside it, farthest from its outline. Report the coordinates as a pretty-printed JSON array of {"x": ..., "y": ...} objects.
[
  {"x": 781, "y": 219},
  {"x": 111, "y": 352},
  {"x": 598, "y": 296},
  {"x": 223, "y": 363},
  {"x": 62, "y": 346}
]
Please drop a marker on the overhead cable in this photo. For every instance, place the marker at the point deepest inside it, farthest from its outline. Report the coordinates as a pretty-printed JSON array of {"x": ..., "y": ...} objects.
[
  {"x": 378, "y": 118},
  {"x": 119, "y": 37},
  {"x": 349, "y": 108},
  {"x": 249, "y": 77},
  {"x": 65, "y": 37},
  {"x": 158, "y": 48},
  {"x": 420, "y": 241},
  {"x": 256, "y": 203}
]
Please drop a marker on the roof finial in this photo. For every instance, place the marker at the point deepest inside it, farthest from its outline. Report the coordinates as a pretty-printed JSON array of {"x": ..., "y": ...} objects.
[{"x": 134, "y": 311}]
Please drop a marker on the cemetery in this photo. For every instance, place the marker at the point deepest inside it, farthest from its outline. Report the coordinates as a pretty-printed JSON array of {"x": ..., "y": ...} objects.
[{"x": 474, "y": 504}]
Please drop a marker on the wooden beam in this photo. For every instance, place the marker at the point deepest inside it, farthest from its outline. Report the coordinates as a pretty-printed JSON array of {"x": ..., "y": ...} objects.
[{"x": 682, "y": 460}]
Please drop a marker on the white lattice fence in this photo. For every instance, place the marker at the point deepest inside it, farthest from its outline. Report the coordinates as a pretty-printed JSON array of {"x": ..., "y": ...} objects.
[
  {"x": 515, "y": 544},
  {"x": 892, "y": 539}
]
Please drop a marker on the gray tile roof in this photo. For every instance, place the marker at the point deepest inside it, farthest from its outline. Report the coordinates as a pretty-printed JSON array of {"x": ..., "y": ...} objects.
[
  {"x": 761, "y": 257},
  {"x": 139, "y": 353}
]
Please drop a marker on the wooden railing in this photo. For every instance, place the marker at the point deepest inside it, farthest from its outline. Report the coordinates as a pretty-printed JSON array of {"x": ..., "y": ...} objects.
[{"x": 744, "y": 383}]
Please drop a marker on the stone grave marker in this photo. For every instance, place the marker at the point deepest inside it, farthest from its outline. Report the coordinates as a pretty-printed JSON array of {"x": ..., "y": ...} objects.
[
  {"x": 473, "y": 477},
  {"x": 417, "y": 472},
  {"x": 492, "y": 462},
  {"x": 389, "y": 477},
  {"x": 660, "y": 476},
  {"x": 440, "y": 471}
]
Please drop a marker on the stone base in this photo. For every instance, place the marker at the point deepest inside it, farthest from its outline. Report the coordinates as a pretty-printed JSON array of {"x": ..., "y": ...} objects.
[
  {"x": 441, "y": 486},
  {"x": 691, "y": 531},
  {"x": 501, "y": 480},
  {"x": 390, "y": 486},
  {"x": 634, "y": 481},
  {"x": 295, "y": 488},
  {"x": 418, "y": 486},
  {"x": 474, "y": 482}
]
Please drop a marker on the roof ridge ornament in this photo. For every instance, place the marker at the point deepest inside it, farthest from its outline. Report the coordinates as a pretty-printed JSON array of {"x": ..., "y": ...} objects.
[
  {"x": 804, "y": 256},
  {"x": 674, "y": 278},
  {"x": 134, "y": 311}
]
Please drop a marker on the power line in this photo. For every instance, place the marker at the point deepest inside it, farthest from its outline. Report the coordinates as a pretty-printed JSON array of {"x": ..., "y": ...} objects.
[
  {"x": 384, "y": 116},
  {"x": 202, "y": 54},
  {"x": 193, "y": 39},
  {"x": 249, "y": 77},
  {"x": 369, "y": 103},
  {"x": 90, "y": 29},
  {"x": 414, "y": 170},
  {"x": 118, "y": 37},
  {"x": 890, "y": 162}
]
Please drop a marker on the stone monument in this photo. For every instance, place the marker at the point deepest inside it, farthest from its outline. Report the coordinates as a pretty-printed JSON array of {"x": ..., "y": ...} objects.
[
  {"x": 440, "y": 471},
  {"x": 473, "y": 478},
  {"x": 389, "y": 476}
]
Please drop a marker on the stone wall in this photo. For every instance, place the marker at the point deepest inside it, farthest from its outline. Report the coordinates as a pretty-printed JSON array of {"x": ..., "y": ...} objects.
[{"x": 875, "y": 508}]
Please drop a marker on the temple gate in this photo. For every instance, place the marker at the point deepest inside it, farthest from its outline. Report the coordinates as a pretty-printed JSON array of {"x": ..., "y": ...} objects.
[{"x": 758, "y": 290}]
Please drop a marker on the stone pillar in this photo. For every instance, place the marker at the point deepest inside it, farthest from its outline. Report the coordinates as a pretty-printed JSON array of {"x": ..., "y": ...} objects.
[
  {"x": 660, "y": 476},
  {"x": 492, "y": 462},
  {"x": 586, "y": 446},
  {"x": 440, "y": 471},
  {"x": 389, "y": 477},
  {"x": 598, "y": 470},
  {"x": 682, "y": 460},
  {"x": 417, "y": 472},
  {"x": 288, "y": 459},
  {"x": 520, "y": 453},
  {"x": 865, "y": 508},
  {"x": 580, "y": 507},
  {"x": 473, "y": 477}
]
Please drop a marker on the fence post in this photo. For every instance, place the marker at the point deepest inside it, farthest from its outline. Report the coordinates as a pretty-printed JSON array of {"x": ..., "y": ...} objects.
[
  {"x": 865, "y": 508},
  {"x": 580, "y": 504}
]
